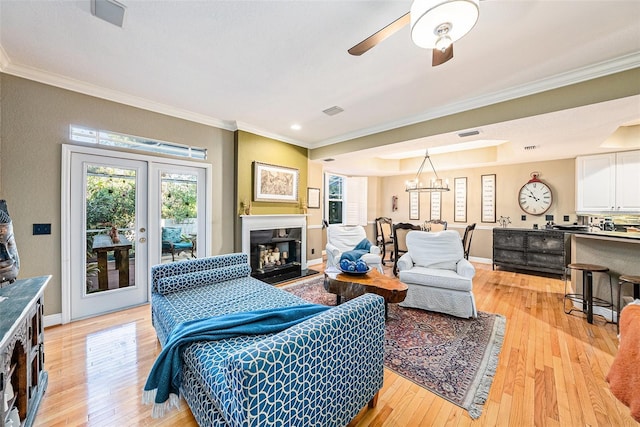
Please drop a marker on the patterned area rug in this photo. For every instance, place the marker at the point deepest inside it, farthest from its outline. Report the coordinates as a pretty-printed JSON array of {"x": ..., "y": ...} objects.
[{"x": 451, "y": 357}]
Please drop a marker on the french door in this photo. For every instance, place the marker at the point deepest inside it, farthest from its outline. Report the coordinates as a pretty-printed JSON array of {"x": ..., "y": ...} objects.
[
  {"x": 122, "y": 215},
  {"x": 108, "y": 224}
]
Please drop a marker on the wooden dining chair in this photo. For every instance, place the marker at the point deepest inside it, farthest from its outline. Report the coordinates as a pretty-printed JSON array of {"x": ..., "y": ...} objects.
[
  {"x": 384, "y": 236},
  {"x": 400, "y": 231},
  {"x": 434, "y": 225},
  {"x": 466, "y": 239}
]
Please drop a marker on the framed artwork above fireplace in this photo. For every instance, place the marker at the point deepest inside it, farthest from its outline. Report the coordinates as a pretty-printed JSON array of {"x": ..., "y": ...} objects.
[{"x": 273, "y": 183}]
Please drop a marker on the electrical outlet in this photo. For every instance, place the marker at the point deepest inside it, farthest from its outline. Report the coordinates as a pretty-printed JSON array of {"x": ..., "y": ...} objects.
[
  {"x": 313, "y": 251},
  {"x": 523, "y": 217},
  {"x": 565, "y": 218},
  {"x": 41, "y": 229}
]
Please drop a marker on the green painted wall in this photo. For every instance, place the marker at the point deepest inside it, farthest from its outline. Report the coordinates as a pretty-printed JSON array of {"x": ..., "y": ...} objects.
[{"x": 250, "y": 148}]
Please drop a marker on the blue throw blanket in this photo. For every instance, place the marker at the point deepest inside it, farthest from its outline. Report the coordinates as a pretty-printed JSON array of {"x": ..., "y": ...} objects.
[
  {"x": 163, "y": 384},
  {"x": 361, "y": 248}
]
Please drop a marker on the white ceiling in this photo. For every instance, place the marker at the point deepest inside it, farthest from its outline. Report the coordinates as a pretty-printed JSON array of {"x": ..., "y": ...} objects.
[{"x": 262, "y": 66}]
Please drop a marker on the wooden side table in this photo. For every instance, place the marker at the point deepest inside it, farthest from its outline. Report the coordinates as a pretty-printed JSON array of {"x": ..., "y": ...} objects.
[
  {"x": 102, "y": 245},
  {"x": 350, "y": 286}
]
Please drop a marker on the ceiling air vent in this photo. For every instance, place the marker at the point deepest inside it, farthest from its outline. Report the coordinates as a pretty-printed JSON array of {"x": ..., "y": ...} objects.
[
  {"x": 530, "y": 147},
  {"x": 332, "y": 111},
  {"x": 109, "y": 10},
  {"x": 469, "y": 133}
]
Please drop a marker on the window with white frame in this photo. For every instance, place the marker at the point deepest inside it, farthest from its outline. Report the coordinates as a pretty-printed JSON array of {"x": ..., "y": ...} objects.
[
  {"x": 334, "y": 200},
  {"x": 346, "y": 199}
]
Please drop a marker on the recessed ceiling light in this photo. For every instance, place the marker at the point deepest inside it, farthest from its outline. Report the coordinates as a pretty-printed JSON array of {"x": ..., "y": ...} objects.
[{"x": 296, "y": 126}]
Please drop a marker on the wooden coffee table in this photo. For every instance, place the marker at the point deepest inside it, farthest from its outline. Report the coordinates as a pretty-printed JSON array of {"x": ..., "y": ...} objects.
[{"x": 351, "y": 286}]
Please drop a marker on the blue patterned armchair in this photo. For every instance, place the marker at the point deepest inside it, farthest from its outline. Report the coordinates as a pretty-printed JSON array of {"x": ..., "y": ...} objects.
[{"x": 173, "y": 242}]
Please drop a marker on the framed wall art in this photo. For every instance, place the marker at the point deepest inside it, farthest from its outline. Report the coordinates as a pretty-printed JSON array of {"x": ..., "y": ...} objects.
[
  {"x": 488, "y": 198},
  {"x": 414, "y": 205},
  {"x": 313, "y": 196},
  {"x": 274, "y": 183},
  {"x": 460, "y": 199},
  {"x": 436, "y": 206}
]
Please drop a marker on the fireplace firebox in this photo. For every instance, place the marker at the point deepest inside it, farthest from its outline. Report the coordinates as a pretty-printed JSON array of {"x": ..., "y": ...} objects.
[
  {"x": 275, "y": 254},
  {"x": 276, "y": 245}
]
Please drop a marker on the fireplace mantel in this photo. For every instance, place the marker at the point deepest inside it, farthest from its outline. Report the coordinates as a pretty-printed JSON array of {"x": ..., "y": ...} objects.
[{"x": 268, "y": 222}]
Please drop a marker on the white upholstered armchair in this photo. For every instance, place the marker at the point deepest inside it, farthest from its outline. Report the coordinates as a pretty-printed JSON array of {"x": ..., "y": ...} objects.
[
  {"x": 343, "y": 238},
  {"x": 437, "y": 274}
]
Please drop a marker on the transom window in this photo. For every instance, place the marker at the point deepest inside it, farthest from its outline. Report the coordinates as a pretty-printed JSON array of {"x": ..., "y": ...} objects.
[{"x": 113, "y": 139}]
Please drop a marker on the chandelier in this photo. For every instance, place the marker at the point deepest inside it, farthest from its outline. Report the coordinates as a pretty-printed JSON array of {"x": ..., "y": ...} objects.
[{"x": 435, "y": 184}]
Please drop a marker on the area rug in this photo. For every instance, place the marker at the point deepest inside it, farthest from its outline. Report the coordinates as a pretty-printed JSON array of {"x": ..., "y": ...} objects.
[{"x": 451, "y": 357}]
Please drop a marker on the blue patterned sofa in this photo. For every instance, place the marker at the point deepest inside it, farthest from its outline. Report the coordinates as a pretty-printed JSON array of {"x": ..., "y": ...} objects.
[{"x": 320, "y": 372}]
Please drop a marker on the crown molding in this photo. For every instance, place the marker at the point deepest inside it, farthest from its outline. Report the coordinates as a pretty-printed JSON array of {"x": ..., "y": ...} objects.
[
  {"x": 111, "y": 95},
  {"x": 601, "y": 69},
  {"x": 579, "y": 75}
]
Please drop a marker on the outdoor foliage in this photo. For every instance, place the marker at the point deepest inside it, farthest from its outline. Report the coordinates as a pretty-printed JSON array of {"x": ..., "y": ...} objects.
[
  {"x": 179, "y": 200},
  {"x": 110, "y": 198}
]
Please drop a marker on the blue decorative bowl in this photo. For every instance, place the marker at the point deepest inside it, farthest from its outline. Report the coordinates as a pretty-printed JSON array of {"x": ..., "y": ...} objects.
[{"x": 355, "y": 273}]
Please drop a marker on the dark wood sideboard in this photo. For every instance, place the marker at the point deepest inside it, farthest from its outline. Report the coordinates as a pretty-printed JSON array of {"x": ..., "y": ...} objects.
[
  {"x": 22, "y": 349},
  {"x": 546, "y": 251}
]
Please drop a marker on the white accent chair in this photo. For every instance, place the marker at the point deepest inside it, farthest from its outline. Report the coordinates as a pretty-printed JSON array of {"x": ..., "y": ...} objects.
[
  {"x": 343, "y": 238},
  {"x": 437, "y": 274}
]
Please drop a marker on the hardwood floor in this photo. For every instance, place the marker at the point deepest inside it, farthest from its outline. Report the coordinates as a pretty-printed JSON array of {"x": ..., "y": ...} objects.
[{"x": 551, "y": 372}]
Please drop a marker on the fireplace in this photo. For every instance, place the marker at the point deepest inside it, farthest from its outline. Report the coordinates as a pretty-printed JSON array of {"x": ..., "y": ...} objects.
[
  {"x": 276, "y": 252},
  {"x": 276, "y": 245}
]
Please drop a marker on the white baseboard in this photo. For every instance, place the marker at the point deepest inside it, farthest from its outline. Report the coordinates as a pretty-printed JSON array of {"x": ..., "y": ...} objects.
[
  {"x": 481, "y": 260},
  {"x": 52, "y": 320},
  {"x": 314, "y": 261}
]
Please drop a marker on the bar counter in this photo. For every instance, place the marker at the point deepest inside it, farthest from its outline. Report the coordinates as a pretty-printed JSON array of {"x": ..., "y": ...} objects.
[{"x": 619, "y": 251}]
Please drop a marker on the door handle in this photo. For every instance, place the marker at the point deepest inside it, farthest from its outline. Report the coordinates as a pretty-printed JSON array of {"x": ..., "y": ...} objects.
[{"x": 142, "y": 240}]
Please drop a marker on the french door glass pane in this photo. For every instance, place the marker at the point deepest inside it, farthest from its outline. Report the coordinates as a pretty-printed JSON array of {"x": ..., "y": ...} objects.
[
  {"x": 179, "y": 219},
  {"x": 110, "y": 206}
]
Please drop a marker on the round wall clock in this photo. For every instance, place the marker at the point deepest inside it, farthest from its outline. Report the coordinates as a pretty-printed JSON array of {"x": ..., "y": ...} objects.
[{"x": 535, "y": 196}]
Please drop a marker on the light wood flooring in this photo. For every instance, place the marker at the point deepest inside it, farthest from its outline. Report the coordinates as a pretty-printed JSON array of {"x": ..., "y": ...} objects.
[{"x": 551, "y": 372}]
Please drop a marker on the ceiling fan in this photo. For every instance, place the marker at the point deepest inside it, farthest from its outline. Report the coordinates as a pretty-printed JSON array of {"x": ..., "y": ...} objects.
[{"x": 435, "y": 24}]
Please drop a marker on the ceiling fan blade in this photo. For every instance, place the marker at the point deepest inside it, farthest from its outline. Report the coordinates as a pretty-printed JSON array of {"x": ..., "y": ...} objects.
[
  {"x": 440, "y": 57},
  {"x": 376, "y": 38}
]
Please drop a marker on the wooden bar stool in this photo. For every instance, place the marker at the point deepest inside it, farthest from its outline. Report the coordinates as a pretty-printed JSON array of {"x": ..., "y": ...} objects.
[
  {"x": 624, "y": 280},
  {"x": 586, "y": 298}
]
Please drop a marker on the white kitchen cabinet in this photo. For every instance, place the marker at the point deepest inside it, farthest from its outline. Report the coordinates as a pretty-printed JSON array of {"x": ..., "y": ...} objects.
[
  {"x": 608, "y": 183},
  {"x": 628, "y": 181}
]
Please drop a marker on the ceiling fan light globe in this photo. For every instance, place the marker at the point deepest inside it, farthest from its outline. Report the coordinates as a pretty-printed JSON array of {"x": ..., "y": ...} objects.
[
  {"x": 443, "y": 43},
  {"x": 428, "y": 15}
]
